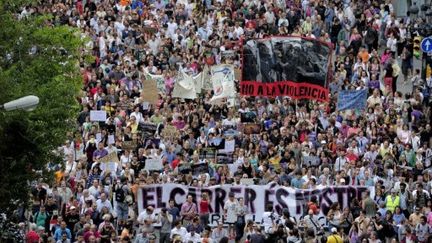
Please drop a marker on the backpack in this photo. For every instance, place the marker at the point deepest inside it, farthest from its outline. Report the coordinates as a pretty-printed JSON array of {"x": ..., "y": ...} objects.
[{"x": 120, "y": 194}]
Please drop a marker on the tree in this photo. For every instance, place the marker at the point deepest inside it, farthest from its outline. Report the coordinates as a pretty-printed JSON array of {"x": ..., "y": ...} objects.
[{"x": 42, "y": 59}]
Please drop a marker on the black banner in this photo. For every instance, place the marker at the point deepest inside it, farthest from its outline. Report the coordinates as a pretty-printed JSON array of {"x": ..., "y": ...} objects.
[{"x": 300, "y": 66}]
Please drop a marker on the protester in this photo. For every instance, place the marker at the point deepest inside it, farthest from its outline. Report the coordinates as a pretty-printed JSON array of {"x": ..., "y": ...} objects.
[{"x": 385, "y": 146}]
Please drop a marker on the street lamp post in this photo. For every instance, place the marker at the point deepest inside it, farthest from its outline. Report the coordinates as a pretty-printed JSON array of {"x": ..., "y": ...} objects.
[{"x": 27, "y": 103}]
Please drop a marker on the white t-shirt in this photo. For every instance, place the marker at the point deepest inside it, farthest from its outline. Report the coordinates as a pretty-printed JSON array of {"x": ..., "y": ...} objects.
[
  {"x": 182, "y": 232},
  {"x": 230, "y": 207}
]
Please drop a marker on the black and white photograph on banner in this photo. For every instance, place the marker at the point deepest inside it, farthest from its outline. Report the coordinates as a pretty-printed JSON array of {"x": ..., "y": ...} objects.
[{"x": 291, "y": 66}]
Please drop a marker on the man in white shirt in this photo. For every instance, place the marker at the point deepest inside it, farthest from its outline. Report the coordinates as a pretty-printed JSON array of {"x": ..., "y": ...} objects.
[
  {"x": 94, "y": 189},
  {"x": 103, "y": 202},
  {"x": 269, "y": 218},
  {"x": 147, "y": 216},
  {"x": 171, "y": 27},
  {"x": 86, "y": 196},
  {"x": 192, "y": 236},
  {"x": 179, "y": 230},
  {"x": 340, "y": 161}
]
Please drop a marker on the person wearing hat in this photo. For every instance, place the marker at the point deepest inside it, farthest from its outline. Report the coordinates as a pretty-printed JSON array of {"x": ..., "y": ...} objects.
[{"x": 334, "y": 237}]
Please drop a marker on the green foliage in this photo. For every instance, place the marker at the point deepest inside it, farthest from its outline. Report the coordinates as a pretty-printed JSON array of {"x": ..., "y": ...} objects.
[{"x": 27, "y": 139}]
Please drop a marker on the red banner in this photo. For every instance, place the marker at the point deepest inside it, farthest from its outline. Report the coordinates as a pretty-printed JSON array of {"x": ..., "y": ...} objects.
[{"x": 285, "y": 88}]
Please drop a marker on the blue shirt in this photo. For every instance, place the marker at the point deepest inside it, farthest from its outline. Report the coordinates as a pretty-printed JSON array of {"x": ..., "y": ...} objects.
[
  {"x": 398, "y": 218},
  {"x": 297, "y": 183},
  {"x": 58, "y": 234}
]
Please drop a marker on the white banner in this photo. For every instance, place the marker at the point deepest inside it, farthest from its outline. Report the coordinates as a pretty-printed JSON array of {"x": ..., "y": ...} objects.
[
  {"x": 256, "y": 197},
  {"x": 198, "y": 81},
  {"x": 222, "y": 78},
  {"x": 184, "y": 87}
]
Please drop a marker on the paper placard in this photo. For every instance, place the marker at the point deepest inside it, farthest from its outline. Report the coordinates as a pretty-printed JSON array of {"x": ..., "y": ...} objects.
[
  {"x": 146, "y": 105},
  {"x": 153, "y": 164},
  {"x": 111, "y": 139},
  {"x": 98, "y": 116},
  {"x": 109, "y": 166},
  {"x": 229, "y": 146},
  {"x": 98, "y": 137},
  {"x": 247, "y": 181}
]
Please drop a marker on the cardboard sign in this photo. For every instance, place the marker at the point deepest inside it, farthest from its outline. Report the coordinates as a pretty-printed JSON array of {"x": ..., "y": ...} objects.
[
  {"x": 148, "y": 29},
  {"x": 150, "y": 91},
  {"x": 109, "y": 166},
  {"x": 153, "y": 165},
  {"x": 237, "y": 73},
  {"x": 98, "y": 116},
  {"x": 110, "y": 162},
  {"x": 170, "y": 132},
  {"x": 198, "y": 169},
  {"x": 251, "y": 128},
  {"x": 129, "y": 145},
  {"x": 111, "y": 157}
]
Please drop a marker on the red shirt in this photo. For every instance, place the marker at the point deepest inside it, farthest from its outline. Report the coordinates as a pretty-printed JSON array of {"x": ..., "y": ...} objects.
[
  {"x": 175, "y": 163},
  {"x": 204, "y": 207},
  {"x": 32, "y": 237}
]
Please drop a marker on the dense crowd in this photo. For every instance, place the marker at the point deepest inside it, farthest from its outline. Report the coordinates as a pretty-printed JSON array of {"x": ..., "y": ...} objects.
[{"x": 387, "y": 146}]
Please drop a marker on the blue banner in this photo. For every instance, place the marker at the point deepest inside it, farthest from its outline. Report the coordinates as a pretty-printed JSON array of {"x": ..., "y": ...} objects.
[{"x": 352, "y": 99}]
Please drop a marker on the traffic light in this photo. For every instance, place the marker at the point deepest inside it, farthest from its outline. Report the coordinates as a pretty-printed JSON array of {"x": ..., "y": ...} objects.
[{"x": 416, "y": 46}]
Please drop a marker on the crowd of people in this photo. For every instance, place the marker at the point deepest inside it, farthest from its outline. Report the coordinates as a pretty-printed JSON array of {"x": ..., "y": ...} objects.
[{"x": 387, "y": 146}]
